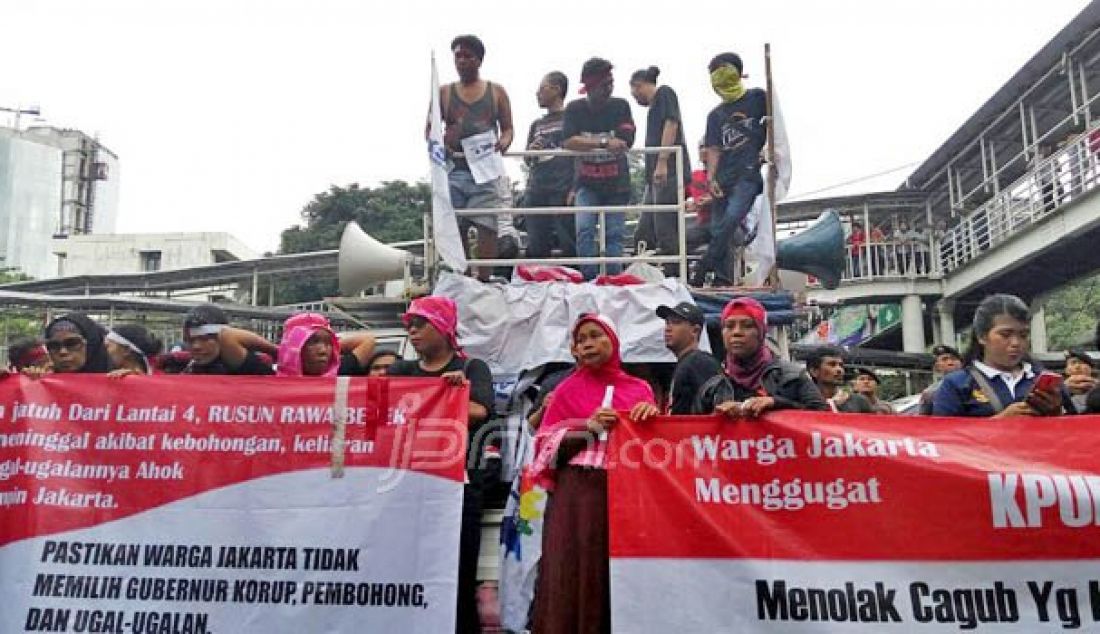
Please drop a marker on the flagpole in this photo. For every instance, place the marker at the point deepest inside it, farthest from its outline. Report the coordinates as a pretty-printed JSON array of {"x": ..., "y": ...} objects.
[
  {"x": 773, "y": 173},
  {"x": 429, "y": 229}
]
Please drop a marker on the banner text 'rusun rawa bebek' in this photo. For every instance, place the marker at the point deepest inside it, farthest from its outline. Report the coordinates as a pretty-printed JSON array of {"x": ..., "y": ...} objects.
[{"x": 208, "y": 504}]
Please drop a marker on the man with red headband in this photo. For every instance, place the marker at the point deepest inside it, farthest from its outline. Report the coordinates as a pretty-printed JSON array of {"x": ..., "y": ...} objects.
[
  {"x": 604, "y": 123},
  {"x": 474, "y": 108},
  {"x": 756, "y": 381},
  {"x": 432, "y": 324}
]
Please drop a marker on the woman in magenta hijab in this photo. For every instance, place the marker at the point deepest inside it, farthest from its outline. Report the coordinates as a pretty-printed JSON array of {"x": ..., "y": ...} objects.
[
  {"x": 572, "y": 595},
  {"x": 309, "y": 347}
]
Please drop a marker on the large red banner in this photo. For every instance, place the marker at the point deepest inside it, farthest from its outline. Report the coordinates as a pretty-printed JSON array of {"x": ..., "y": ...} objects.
[
  {"x": 229, "y": 503},
  {"x": 754, "y": 521}
]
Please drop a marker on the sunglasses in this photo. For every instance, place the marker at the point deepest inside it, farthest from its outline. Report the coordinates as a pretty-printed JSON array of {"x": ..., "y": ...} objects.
[
  {"x": 417, "y": 322},
  {"x": 69, "y": 343}
]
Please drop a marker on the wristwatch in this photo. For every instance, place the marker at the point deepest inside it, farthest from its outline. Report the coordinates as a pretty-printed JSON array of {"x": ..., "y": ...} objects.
[{"x": 604, "y": 140}]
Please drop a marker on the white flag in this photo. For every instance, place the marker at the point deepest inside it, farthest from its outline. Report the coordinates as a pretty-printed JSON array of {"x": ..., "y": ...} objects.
[
  {"x": 448, "y": 242},
  {"x": 760, "y": 253}
]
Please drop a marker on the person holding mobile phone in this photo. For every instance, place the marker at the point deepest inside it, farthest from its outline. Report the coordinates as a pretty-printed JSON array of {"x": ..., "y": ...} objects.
[
  {"x": 1079, "y": 377},
  {"x": 998, "y": 379}
]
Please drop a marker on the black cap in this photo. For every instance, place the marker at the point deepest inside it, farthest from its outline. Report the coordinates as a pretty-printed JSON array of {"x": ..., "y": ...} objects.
[
  {"x": 684, "y": 310},
  {"x": 868, "y": 372},
  {"x": 205, "y": 314},
  {"x": 944, "y": 349},
  {"x": 1079, "y": 354},
  {"x": 733, "y": 59}
]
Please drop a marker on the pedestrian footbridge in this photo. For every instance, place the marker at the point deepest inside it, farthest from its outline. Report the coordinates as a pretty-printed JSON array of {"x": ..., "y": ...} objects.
[{"x": 1035, "y": 235}]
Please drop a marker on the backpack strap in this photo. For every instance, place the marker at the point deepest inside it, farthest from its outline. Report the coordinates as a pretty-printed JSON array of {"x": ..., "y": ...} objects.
[{"x": 987, "y": 389}]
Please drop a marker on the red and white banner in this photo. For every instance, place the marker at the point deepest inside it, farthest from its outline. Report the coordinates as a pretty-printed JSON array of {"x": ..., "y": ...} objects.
[
  {"x": 209, "y": 504},
  {"x": 820, "y": 522}
]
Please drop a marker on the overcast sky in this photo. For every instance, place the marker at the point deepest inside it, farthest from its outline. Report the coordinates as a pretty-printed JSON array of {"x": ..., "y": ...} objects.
[{"x": 230, "y": 116}]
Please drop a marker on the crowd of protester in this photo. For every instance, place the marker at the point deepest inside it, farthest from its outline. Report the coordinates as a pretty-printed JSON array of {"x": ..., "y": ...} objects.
[
  {"x": 721, "y": 193},
  {"x": 577, "y": 407},
  {"x": 994, "y": 378}
]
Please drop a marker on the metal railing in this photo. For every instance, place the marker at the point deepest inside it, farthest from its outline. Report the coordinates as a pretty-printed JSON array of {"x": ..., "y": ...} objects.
[
  {"x": 603, "y": 259},
  {"x": 1054, "y": 182},
  {"x": 889, "y": 259}
]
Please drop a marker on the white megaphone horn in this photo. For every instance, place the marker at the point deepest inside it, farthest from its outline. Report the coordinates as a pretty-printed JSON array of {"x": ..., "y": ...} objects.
[{"x": 364, "y": 261}]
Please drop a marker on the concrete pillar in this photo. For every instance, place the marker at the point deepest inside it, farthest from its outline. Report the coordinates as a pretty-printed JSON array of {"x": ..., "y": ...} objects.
[
  {"x": 947, "y": 323},
  {"x": 1038, "y": 327},
  {"x": 912, "y": 324},
  {"x": 783, "y": 343}
]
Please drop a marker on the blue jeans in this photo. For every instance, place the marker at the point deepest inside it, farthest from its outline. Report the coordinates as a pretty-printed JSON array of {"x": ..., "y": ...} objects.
[
  {"x": 587, "y": 236},
  {"x": 726, "y": 217}
]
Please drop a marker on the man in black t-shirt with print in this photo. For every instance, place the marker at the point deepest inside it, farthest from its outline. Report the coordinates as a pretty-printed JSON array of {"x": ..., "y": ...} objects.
[
  {"x": 600, "y": 122},
  {"x": 684, "y": 324},
  {"x": 736, "y": 134},
  {"x": 432, "y": 324},
  {"x": 550, "y": 181}
]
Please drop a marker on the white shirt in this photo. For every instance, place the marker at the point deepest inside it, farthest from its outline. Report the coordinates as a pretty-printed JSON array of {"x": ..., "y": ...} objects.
[{"x": 1010, "y": 379}]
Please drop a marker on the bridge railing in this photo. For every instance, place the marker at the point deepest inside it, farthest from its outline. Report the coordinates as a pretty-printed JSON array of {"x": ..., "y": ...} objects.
[
  {"x": 1054, "y": 182},
  {"x": 888, "y": 259}
]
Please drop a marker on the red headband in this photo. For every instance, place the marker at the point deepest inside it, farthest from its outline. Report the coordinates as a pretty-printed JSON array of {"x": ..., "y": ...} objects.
[
  {"x": 29, "y": 357},
  {"x": 750, "y": 308}
]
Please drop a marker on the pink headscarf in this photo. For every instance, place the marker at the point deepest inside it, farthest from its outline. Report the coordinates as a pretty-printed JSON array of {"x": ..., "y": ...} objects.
[
  {"x": 296, "y": 332},
  {"x": 579, "y": 396},
  {"x": 441, "y": 313},
  {"x": 748, "y": 372}
]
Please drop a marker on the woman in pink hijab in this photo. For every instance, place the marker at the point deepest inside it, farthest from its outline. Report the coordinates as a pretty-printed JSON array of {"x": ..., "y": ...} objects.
[
  {"x": 573, "y": 585},
  {"x": 309, "y": 347}
]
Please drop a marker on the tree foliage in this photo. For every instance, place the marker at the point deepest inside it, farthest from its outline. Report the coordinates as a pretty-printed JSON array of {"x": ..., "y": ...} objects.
[
  {"x": 390, "y": 212},
  {"x": 15, "y": 323},
  {"x": 1071, "y": 314}
]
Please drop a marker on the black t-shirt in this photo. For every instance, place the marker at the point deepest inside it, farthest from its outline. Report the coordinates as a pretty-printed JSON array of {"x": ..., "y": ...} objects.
[
  {"x": 553, "y": 174},
  {"x": 603, "y": 171},
  {"x": 350, "y": 366},
  {"x": 476, "y": 371},
  {"x": 665, "y": 107},
  {"x": 737, "y": 128},
  {"x": 691, "y": 373},
  {"x": 252, "y": 365}
]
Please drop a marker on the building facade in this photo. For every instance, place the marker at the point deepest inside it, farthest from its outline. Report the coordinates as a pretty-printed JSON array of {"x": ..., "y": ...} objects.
[
  {"x": 116, "y": 254},
  {"x": 53, "y": 182}
]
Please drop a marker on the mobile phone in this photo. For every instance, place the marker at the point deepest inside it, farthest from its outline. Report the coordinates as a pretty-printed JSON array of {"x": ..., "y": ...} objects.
[{"x": 1048, "y": 382}]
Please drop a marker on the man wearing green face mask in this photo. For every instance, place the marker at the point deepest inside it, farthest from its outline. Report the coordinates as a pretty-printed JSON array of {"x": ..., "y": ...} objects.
[{"x": 735, "y": 136}]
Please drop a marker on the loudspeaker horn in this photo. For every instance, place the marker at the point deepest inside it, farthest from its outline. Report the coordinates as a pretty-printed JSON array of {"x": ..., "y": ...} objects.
[
  {"x": 364, "y": 261},
  {"x": 817, "y": 251}
]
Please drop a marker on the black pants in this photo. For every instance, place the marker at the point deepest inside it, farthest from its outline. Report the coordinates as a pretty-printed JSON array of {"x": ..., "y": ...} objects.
[
  {"x": 469, "y": 548},
  {"x": 659, "y": 230},
  {"x": 544, "y": 231}
]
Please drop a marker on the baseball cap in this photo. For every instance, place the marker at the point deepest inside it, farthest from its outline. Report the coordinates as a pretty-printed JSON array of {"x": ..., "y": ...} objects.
[
  {"x": 684, "y": 310},
  {"x": 945, "y": 349},
  {"x": 870, "y": 373}
]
